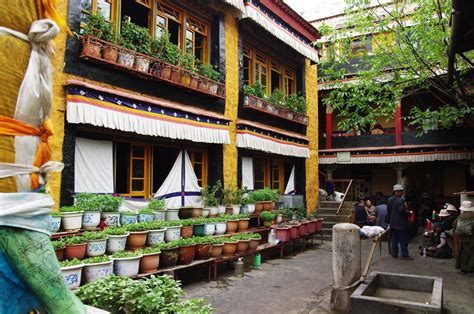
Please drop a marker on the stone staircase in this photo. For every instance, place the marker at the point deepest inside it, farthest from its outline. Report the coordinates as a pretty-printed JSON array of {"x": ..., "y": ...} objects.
[{"x": 328, "y": 209}]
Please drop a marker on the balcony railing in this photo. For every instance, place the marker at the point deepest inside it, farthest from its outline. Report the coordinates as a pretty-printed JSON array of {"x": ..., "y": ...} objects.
[
  {"x": 148, "y": 67},
  {"x": 263, "y": 105}
]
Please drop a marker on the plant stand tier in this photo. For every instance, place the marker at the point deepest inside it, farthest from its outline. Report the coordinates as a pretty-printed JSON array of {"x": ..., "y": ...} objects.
[
  {"x": 177, "y": 268},
  {"x": 155, "y": 67},
  {"x": 64, "y": 234},
  {"x": 262, "y": 105}
]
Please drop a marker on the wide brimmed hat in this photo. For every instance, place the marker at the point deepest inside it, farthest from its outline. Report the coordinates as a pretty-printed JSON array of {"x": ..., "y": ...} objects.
[
  {"x": 397, "y": 187},
  {"x": 444, "y": 213},
  {"x": 451, "y": 208},
  {"x": 466, "y": 206}
]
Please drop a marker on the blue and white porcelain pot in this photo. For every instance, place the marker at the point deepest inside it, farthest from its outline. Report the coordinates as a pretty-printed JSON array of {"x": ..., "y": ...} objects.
[
  {"x": 128, "y": 219},
  {"x": 172, "y": 214},
  {"x": 92, "y": 272},
  {"x": 116, "y": 243},
  {"x": 127, "y": 266},
  {"x": 160, "y": 215},
  {"x": 90, "y": 220},
  {"x": 72, "y": 276},
  {"x": 155, "y": 236},
  {"x": 143, "y": 217},
  {"x": 55, "y": 223},
  {"x": 96, "y": 247},
  {"x": 173, "y": 233},
  {"x": 112, "y": 219}
]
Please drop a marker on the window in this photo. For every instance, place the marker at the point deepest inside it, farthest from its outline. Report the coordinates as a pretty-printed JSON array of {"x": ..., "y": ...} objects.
[
  {"x": 169, "y": 19},
  {"x": 146, "y": 3},
  {"x": 260, "y": 173},
  {"x": 261, "y": 70},
  {"x": 268, "y": 173},
  {"x": 247, "y": 66},
  {"x": 275, "y": 80},
  {"x": 196, "y": 38},
  {"x": 199, "y": 161},
  {"x": 289, "y": 82},
  {"x": 103, "y": 7}
]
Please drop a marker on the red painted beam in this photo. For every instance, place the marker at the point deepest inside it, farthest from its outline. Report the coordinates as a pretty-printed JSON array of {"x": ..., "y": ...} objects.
[
  {"x": 328, "y": 130},
  {"x": 398, "y": 125}
]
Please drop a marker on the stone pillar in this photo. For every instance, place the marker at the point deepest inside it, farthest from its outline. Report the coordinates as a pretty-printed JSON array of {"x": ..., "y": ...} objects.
[{"x": 346, "y": 263}]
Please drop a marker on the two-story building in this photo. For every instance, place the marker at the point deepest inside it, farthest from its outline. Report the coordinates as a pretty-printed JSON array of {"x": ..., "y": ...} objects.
[
  {"x": 432, "y": 165},
  {"x": 122, "y": 117}
]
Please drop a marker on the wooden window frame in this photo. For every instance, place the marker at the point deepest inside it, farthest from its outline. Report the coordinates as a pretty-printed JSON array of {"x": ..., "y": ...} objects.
[
  {"x": 204, "y": 163},
  {"x": 268, "y": 178},
  {"x": 113, "y": 12}
]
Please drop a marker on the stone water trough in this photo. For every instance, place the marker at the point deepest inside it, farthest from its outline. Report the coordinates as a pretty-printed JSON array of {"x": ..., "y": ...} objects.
[{"x": 400, "y": 293}]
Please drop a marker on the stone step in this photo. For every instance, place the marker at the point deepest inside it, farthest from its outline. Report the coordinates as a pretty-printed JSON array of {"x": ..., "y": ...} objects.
[
  {"x": 333, "y": 212},
  {"x": 333, "y": 218}
]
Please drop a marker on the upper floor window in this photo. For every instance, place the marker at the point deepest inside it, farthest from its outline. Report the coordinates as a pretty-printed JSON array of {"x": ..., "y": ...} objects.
[{"x": 102, "y": 7}]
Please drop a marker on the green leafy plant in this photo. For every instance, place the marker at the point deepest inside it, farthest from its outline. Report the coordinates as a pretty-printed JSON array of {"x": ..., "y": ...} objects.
[
  {"x": 231, "y": 240},
  {"x": 264, "y": 195},
  {"x": 267, "y": 216},
  {"x": 73, "y": 262},
  {"x": 87, "y": 202},
  {"x": 167, "y": 245},
  {"x": 96, "y": 260},
  {"x": 58, "y": 244},
  {"x": 146, "y": 211},
  {"x": 208, "y": 196},
  {"x": 301, "y": 212},
  {"x": 185, "y": 242},
  {"x": 127, "y": 213},
  {"x": 94, "y": 235},
  {"x": 242, "y": 236},
  {"x": 187, "y": 62},
  {"x": 165, "y": 50},
  {"x": 69, "y": 209},
  {"x": 255, "y": 236},
  {"x": 207, "y": 70},
  {"x": 74, "y": 240},
  {"x": 98, "y": 26},
  {"x": 109, "y": 203},
  {"x": 218, "y": 240},
  {"x": 55, "y": 213},
  {"x": 155, "y": 225},
  {"x": 228, "y": 196},
  {"x": 203, "y": 240},
  {"x": 156, "y": 204},
  {"x": 115, "y": 231},
  {"x": 126, "y": 254},
  {"x": 256, "y": 89},
  {"x": 134, "y": 37},
  {"x": 138, "y": 227},
  {"x": 151, "y": 250},
  {"x": 295, "y": 102},
  {"x": 200, "y": 306},
  {"x": 277, "y": 97},
  {"x": 187, "y": 222}
]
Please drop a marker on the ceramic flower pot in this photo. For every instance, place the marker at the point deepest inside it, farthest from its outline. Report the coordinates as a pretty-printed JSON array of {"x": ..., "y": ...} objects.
[
  {"x": 235, "y": 209},
  {"x": 250, "y": 209},
  {"x": 91, "y": 49},
  {"x": 136, "y": 239},
  {"x": 213, "y": 211},
  {"x": 216, "y": 250},
  {"x": 128, "y": 219},
  {"x": 111, "y": 219},
  {"x": 59, "y": 254},
  {"x": 172, "y": 233},
  {"x": 116, "y": 243},
  {"x": 90, "y": 220},
  {"x": 203, "y": 85},
  {"x": 92, "y": 272},
  {"x": 205, "y": 212},
  {"x": 72, "y": 276},
  {"x": 166, "y": 72},
  {"x": 203, "y": 251},
  {"x": 221, "y": 210},
  {"x": 213, "y": 88},
  {"x": 319, "y": 224},
  {"x": 243, "y": 224},
  {"x": 229, "y": 211},
  {"x": 221, "y": 227},
  {"x": 303, "y": 228},
  {"x": 268, "y": 205},
  {"x": 71, "y": 221},
  {"x": 258, "y": 207},
  {"x": 155, "y": 237},
  {"x": 186, "y": 254},
  {"x": 231, "y": 226},
  {"x": 55, "y": 223},
  {"x": 96, "y": 247},
  {"x": 312, "y": 226},
  {"x": 242, "y": 246},
  {"x": 142, "y": 64},
  {"x": 160, "y": 215},
  {"x": 168, "y": 258},
  {"x": 282, "y": 233},
  {"x": 186, "y": 232},
  {"x": 209, "y": 229},
  {"x": 185, "y": 213},
  {"x": 172, "y": 214},
  {"x": 149, "y": 263},
  {"x": 198, "y": 230},
  {"x": 176, "y": 75},
  {"x": 75, "y": 251},
  {"x": 185, "y": 79},
  {"x": 142, "y": 217},
  {"x": 110, "y": 53},
  {"x": 194, "y": 83},
  {"x": 127, "y": 266},
  {"x": 254, "y": 243},
  {"x": 126, "y": 59},
  {"x": 294, "y": 231},
  {"x": 197, "y": 212},
  {"x": 229, "y": 248}
]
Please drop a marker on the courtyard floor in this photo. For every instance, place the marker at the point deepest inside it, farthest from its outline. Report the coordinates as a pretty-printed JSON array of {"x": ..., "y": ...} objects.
[{"x": 302, "y": 283}]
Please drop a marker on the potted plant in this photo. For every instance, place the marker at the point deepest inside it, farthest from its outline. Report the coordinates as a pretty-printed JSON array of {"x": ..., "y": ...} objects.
[
  {"x": 172, "y": 214},
  {"x": 75, "y": 247},
  {"x": 117, "y": 239},
  {"x": 242, "y": 242},
  {"x": 210, "y": 201},
  {"x": 96, "y": 243},
  {"x": 187, "y": 228},
  {"x": 127, "y": 263},
  {"x": 72, "y": 273},
  {"x": 243, "y": 223},
  {"x": 169, "y": 254},
  {"x": 203, "y": 247},
  {"x": 254, "y": 241},
  {"x": 294, "y": 231},
  {"x": 55, "y": 221},
  {"x": 208, "y": 71},
  {"x": 197, "y": 212},
  {"x": 230, "y": 246},
  {"x": 137, "y": 237},
  {"x": 186, "y": 251},
  {"x": 128, "y": 218},
  {"x": 71, "y": 218},
  {"x": 209, "y": 227},
  {"x": 110, "y": 206},
  {"x": 268, "y": 218},
  {"x": 303, "y": 228},
  {"x": 156, "y": 232},
  {"x": 146, "y": 215},
  {"x": 186, "y": 62},
  {"x": 185, "y": 212},
  {"x": 173, "y": 230},
  {"x": 127, "y": 33},
  {"x": 232, "y": 223},
  {"x": 158, "y": 207},
  {"x": 97, "y": 267},
  {"x": 198, "y": 227},
  {"x": 98, "y": 27},
  {"x": 150, "y": 259},
  {"x": 58, "y": 246},
  {"x": 90, "y": 204},
  {"x": 282, "y": 232},
  {"x": 221, "y": 225},
  {"x": 217, "y": 246},
  {"x": 228, "y": 195}
]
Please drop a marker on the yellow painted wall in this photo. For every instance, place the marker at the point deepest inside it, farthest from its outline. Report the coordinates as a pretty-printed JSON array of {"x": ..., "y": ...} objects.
[
  {"x": 454, "y": 180},
  {"x": 58, "y": 107},
  {"x": 383, "y": 180},
  {"x": 232, "y": 96},
  {"x": 312, "y": 178}
]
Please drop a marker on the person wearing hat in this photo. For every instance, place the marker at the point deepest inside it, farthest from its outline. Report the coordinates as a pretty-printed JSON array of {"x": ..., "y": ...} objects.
[
  {"x": 439, "y": 247},
  {"x": 397, "y": 217},
  {"x": 447, "y": 217},
  {"x": 464, "y": 231}
]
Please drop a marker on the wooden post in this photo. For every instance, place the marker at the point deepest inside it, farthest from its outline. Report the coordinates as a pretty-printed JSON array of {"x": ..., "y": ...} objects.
[
  {"x": 328, "y": 128},
  {"x": 398, "y": 124}
]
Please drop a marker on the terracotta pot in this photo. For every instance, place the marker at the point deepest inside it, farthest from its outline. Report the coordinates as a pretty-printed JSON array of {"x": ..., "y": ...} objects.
[
  {"x": 136, "y": 240},
  {"x": 166, "y": 72},
  {"x": 254, "y": 243},
  {"x": 231, "y": 226},
  {"x": 197, "y": 212},
  {"x": 203, "y": 251},
  {"x": 149, "y": 263},
  {"x": 185, "y": 79},
  {"x": 91, "y": 49},
  {"x": 229, "y": 248},
  {"x": 243, "y": 224},
  {"x": 213, "y": 88},
  {"x": 216, "y": 250},
  {"x": 168, "y": 258},
  {"x": 282, "y": 233},
  {"x": 194, "y": 83},
  {"x": 267, "y": 205},
  {"x": 312, "y": 226},
  {"x": 242, "y": 246},
  {"x": 185, "y": 213},
  {"x": 110, "y": 53},
  {"x": 186, "y": 254},
  {"x": 75, "y": 250},
  {"x": 142, "y": 64},
  {"x": 303, "y": 230},
  {"x": 59, "y": 254},
  {"x": 258, "y": 207},
  {"x": 186, "y": 232},
  {"x": 319, "y": 224},
  {"x": 204, "y": 85},
  {"x": 294, "y": 232},
  {"x": 176, "y": 75}
]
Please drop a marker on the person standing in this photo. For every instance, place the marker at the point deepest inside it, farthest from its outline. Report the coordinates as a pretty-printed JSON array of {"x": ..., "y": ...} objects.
[
  {"x": 381, "y": 215},
  {"x": 398, "y": 220}
]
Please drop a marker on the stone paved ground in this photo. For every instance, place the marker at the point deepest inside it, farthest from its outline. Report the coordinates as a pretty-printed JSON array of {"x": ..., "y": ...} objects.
[{"x": 301, "y": 283}]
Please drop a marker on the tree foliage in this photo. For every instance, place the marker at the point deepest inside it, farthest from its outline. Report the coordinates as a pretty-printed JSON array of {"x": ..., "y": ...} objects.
[{"x": 409, "y": 41}]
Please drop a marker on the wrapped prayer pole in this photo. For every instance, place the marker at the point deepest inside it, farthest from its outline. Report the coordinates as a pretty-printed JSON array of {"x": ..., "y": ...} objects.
[{"x": 346, "y": 263}]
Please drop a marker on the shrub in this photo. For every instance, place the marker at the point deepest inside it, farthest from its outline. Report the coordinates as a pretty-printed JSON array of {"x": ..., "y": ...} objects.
[
  {"x": 109, "y": 203},
  {"x": 97, "y": 26},
  {"x": 207, "y": 70},
  {"x": 264, "y": 195},
  {"x": 267, "y": 216},
  {"x": 134, "y": 37}
]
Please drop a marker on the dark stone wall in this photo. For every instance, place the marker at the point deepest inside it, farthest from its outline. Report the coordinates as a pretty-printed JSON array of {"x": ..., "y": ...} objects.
[{"x": 67, "y": 175}]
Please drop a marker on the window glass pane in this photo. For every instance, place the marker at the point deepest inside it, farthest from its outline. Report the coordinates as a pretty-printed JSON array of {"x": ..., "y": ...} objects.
[
  {"x": 197, "y": 157},
  {"x": 86, "y": 5},
  {"x": 138, "y": 151},
  {"x": 137, "y": 185},
  {"x": 104, "y": 9},
  {"x": 160, "y": 21},
  {"x": 138, "y": 168},
  {"x": 199, "y": 46},
  {"x": 246, "y": 68},
  {"x": 173, "y": 29},
  {"x": 275, "y": 80},
  {"x": 198, "y": 170}
]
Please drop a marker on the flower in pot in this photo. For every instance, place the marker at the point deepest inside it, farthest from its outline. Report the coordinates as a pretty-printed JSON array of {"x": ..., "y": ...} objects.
[
  {"x": 156, "y": 232},
  {"x": 97, "y": 267},
  {"x": 146, "y": 215},
  {"x": 173, "y": 230},
  {"x": 127, "y": 263},
  {"x": 72, "y": 273},
  {"x": 71, "y": 217},
  {"x": 110, "y": 206},
  {"x": 117, "y": 239},
  {"x": 254, "y": 241},
  {"x": 243, "y": 223},
  {"x": 128, "y": 218},
  {"x": 75, "y": 247},
  {"x": 242, "y": 242},
  {"x": 210, "y": 201},
  {"x": 186, "y": 251},
  {"x": 90, "y": 204},
  {"x": 230, "y": 246},
  {"x": 58, "y": 246},
  {"x": 187, "y": 228},
  {"x": 198, "y": 227},
  {"x": 203, "y": 247},
  {"x": 169, "y": 254},
  {"x": 96, "y": 243},
  {"x": 158, "y": 207},
  {"x": 150, "y": 260},
  {"x": 232, "y": 222},
  {"x": 268, "y": 218},
  {"x": 137, "y": 237},
  {"x": 185, "y": 212},
  {"x": 217, "y": 246},
  {"x": 221, "y": 225},
  {"x": 55, "y": 221}
]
